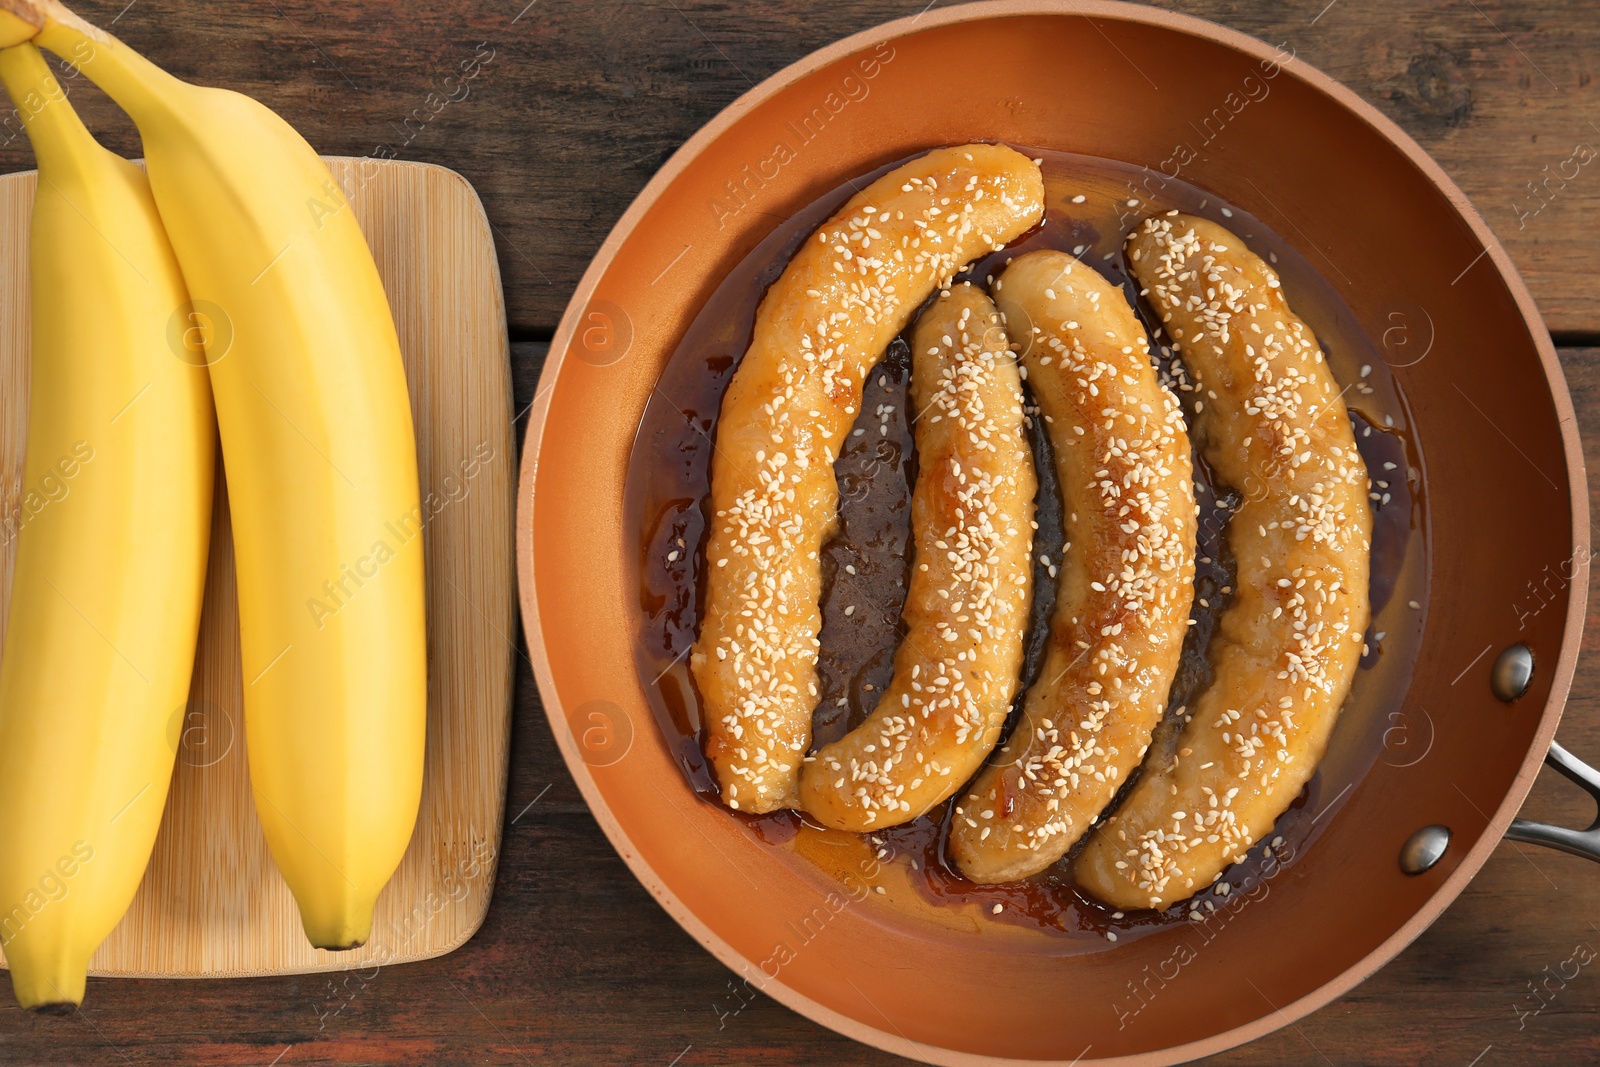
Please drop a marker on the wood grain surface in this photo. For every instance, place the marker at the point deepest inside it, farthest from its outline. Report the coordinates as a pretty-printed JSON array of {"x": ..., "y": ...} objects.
[
  {"x": 572, "y": 107},
  {"x": 566, "y": 107},
  {"x": 212, "y": 903}
]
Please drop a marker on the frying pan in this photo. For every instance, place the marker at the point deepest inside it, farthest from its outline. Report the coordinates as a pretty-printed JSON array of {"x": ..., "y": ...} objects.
[{"x": 1487, "y": 407}]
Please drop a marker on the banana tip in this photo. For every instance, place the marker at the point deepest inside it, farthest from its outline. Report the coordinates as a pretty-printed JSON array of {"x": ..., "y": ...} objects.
[{"x": 55, "y": 1007}]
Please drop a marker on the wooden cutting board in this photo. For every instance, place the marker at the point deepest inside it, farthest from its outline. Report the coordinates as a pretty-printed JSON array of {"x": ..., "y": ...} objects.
[{"x": 212, "y": 904}]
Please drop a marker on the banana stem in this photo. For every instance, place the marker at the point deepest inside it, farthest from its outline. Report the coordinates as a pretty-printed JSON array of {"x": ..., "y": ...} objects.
[
  {"x": 57, "y": 133},
  {"x": 140, "y": 87},
  {"x": 14, "y": 31},
  {"x": 133, "y": 81},
  {"x": 21, "y": 20}
]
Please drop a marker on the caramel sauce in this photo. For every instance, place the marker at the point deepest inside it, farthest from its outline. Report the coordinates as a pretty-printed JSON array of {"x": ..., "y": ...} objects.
[{"x": 903, "y": 870}]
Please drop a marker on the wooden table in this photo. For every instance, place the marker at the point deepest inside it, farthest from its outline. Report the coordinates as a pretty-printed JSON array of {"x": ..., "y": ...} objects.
[{"x": 573, "y": 107}]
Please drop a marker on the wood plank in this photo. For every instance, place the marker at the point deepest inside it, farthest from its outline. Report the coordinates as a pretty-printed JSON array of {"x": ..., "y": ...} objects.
[
  {"x": 576, "y": 964},
  {"x": 569, "y": 108},
  {"x": 211, "y": 901}
]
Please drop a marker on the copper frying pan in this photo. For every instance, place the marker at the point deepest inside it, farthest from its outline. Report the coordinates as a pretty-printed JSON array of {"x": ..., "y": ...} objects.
[{"x": 1488, "y": 408}]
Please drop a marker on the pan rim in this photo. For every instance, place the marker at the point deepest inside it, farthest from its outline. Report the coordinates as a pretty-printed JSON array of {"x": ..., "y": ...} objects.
[{"x": 1115, "y": 11}]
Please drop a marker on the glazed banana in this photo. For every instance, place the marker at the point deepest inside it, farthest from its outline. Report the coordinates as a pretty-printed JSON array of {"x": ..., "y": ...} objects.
[
  {"x": 321, "y": 462},
  {"x": 852, "y": 286},
  {"x": 1127, "y": 577},
  {"x": 966, "y": 611},
  {"x": 1285, "y": 654},
  {"x": 111, "y": 536}
]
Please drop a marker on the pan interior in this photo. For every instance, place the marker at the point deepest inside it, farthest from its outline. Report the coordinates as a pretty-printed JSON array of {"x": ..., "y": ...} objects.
[
  {"x": 1392, "y": 278},
  {"x": 1093, "y": 205}
]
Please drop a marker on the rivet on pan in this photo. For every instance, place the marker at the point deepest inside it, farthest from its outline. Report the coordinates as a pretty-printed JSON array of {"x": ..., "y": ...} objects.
[
  {"x": 1512, "y": 672},
  {"x": 1424, "y": 848}
]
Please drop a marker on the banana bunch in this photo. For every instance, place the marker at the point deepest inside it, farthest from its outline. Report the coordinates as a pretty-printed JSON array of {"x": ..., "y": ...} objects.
[{"x": 241, "y": 228}]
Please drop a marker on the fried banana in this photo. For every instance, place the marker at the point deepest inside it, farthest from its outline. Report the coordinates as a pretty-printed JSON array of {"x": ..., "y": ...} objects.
[
  {"x": 1272, "y": 423},
  {"x": 1126, "y": 578},
  {"x": 959, "y": 665},
  {"x": 820, "y": 329}
]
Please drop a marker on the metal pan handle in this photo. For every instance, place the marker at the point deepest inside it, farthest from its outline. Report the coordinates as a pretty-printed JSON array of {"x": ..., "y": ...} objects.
[{"x": 1585, "y": 843}]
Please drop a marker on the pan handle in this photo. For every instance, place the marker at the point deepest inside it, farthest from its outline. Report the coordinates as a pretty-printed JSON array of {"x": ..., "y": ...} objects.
[{"x": 1585, "y": 843}]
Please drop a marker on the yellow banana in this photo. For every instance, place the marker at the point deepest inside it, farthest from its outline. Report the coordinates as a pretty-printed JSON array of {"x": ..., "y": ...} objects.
[
  {"x": 111, "y": 538},
  {"x": 322, "y": 475}
]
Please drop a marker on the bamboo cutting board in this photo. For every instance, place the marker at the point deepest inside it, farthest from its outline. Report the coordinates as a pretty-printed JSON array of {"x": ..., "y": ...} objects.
[{"x": 212, "y": 904}]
